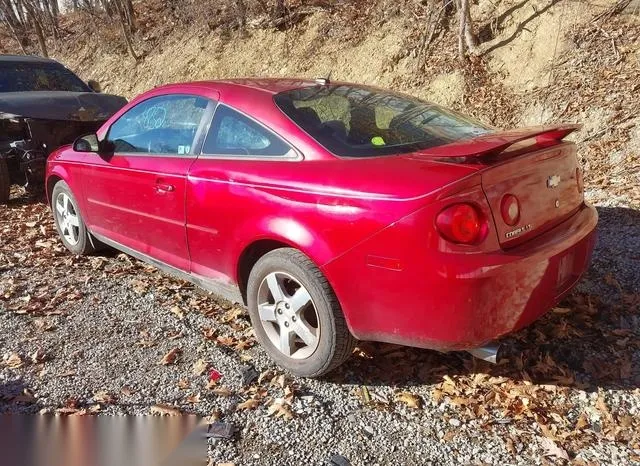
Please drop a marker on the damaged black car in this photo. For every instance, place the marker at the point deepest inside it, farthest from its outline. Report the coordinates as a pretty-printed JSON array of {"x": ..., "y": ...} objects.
[{"x": 43, "y": 106}]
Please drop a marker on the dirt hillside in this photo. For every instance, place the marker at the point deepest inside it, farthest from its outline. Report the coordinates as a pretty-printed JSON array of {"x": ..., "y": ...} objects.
[{"x": 540, "y": 61}]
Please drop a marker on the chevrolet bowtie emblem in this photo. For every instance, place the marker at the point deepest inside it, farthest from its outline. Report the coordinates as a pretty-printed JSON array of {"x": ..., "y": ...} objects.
[{"x": 553, "y": 181}]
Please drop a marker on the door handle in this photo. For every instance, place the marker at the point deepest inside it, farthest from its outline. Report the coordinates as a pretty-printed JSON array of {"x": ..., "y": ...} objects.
[{"x": 165, "y": 188}]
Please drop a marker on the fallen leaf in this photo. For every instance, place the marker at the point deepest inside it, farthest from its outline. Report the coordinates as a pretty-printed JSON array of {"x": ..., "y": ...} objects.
[
  {"x": 200, "y": 367},
  {"x": 449, "y": 436},
  {"x": 66, "y": 411},
  {"x": 214, "y": 376},
  {"x": 251, "y": 403},
  {"x": 193, "y": 399},
  {"x": 221, "y": 391},
  {"x": 366, "y": 397},
  {"x": 280, "y": 409},
  {"x": 225, "y": 341},
  {"x": 213, "y": 417},
  {"x": 183, "y": 384},
  {"x": 582, "y": 422},
  {"x": 244, "y": 344},
  {"x": 165, "y": 410},
  {"x": 38, "y": 356},
  {"x": 170, "y": 357},
  {"x": 14, "y": 361},
  {"x": 178, "y": 312},
  {"x": 104, "y": 397},
  {"x": 552, "y": 449},
  {"x": 409, "y": 399},
  {"x": 209, "y": 333}
]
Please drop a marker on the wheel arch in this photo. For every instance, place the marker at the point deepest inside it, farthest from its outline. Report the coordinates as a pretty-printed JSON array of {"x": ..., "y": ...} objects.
[
  {"x": 252, "y": 252},
  {"x": 52, "y": 180}
]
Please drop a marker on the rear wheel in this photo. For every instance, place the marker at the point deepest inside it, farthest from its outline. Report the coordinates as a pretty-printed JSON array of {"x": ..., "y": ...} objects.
[
  {"x": 69, "y": 223},
  {"x": 296, "y": 315},
  {"x": 5, "y": 182}
]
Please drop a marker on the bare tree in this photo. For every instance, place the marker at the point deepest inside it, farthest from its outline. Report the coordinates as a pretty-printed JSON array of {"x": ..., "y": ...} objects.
[
  {"x": 35, "y": 15},
  {"x": 125, "y": 25},
  {"x": 15, "y": 23},
  {"x": 467, "y": 41}
]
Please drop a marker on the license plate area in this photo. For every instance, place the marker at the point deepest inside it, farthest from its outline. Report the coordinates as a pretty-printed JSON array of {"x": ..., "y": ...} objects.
[{"x": 565, "y": 269}]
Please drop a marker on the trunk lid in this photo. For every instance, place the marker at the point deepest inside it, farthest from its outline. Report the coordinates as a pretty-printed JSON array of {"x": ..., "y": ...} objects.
[
  {"x": 545, "y": 182},
  {"x": 532, "y": 164}
]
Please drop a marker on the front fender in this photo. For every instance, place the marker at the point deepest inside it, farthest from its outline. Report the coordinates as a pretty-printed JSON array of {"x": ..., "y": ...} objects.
[{"x": 58, "y": 171}]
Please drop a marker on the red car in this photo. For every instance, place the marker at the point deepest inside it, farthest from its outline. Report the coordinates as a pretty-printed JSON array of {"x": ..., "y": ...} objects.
[{"x": 334, "y": 212}]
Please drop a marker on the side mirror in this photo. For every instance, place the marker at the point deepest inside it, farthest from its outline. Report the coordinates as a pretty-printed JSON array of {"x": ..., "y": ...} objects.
[
  {"x": 87, "y": 143},
  {"x": 94, "y": 85}
]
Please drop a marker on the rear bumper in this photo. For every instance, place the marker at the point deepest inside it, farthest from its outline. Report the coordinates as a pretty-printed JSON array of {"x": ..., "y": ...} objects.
[{"x": 447, "y": 301}]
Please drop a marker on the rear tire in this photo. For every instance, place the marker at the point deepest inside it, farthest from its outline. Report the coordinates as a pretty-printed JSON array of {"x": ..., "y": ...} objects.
[
  {"x": 5, "y": 182},
  {"x": 288, "y": 293},
  {"x": 71, "y": 228}
]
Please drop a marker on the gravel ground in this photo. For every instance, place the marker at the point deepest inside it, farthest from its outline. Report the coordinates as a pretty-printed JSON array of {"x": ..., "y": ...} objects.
[{"x": 89, "y": 335}]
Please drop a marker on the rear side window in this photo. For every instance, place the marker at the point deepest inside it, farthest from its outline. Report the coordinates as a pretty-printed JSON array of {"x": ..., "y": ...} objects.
[
  {"x": 232, "y": 133},
  {"x": 359, "y": 121},
  {"x": 161, "y": 125}
]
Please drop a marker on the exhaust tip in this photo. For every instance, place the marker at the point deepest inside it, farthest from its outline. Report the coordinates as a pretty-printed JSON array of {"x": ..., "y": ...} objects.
[{"x": 487, "y": 352}]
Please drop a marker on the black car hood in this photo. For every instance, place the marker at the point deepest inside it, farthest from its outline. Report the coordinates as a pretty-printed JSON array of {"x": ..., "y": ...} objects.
[{"x": 60, "y": 105}]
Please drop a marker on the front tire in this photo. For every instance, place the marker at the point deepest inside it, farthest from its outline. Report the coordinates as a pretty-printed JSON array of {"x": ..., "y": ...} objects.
[
  {"x": 71, "y": 228},
  {"x": 296, "y": 315}
]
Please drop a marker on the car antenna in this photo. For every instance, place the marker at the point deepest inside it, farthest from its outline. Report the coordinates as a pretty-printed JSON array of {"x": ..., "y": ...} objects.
[{"x": 325, "y": 81}]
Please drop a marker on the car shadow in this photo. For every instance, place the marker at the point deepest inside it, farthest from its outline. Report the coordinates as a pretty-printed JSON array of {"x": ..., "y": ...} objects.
[
  {"x": 589, "y": 341},
  {"x": 16, "y": 398}
]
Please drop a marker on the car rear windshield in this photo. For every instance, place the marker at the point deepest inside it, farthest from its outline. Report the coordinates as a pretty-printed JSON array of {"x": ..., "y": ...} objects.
[
  {"x": 359, "y": 121},
  {"x": 23, "y": 77}
]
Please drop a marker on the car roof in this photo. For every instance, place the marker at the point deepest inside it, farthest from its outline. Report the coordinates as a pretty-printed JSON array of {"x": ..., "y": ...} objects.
[
  {"x": 25, "y": 59},
  {"x": 266, "y": 85}
]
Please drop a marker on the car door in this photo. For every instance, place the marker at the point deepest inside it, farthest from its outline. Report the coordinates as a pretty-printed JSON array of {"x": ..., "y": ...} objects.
[
  {"x": 135, "y": 194},
  {"x": 218, "y": 206}
]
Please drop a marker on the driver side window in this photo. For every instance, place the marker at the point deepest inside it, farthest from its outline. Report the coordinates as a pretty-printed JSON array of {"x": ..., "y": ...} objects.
[{"x": 161, "y": 125}]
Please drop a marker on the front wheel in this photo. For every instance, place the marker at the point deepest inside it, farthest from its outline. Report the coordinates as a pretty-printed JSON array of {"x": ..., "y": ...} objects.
[
  {"x": 296, "y": 315},
  {"x": 69, "y": 223}
]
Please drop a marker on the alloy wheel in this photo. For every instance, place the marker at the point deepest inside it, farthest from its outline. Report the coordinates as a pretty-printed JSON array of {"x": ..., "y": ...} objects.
[
  {"x": 288, "y": 315},
  {"x": 68, "y": 220}
]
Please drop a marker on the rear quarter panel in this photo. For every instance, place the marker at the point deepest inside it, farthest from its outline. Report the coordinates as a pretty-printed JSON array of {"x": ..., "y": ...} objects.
[{"x": 321, "y": 207}]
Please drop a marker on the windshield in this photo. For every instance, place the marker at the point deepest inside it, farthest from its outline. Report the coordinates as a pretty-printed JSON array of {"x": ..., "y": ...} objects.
[
  {"x": 23, "y": 77},
  {"x": 358, "y": 121}
]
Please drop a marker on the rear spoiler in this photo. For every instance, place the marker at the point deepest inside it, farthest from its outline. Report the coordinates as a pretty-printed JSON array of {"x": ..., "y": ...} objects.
[{"x": 497, "y": 142}]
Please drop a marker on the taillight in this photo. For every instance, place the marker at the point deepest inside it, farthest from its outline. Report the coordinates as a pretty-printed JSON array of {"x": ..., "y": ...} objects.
[
  {"x": 510, "y": 209},
  {"x": 579, "y": 179},
  {"x": 460, "y": 223}
]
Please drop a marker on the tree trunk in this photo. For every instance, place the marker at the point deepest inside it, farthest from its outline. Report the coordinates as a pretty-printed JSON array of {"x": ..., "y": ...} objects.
[
  {"x": 131, "y": 17},
  {"x": 17, "y": 37},
  {"x": 469, "y": 35},
  {"x": 241, "y": 10},
  {"x": 34, "y": 16},
  {"x": 126, "y": 32},
  {"x": 14, "y": 24},
  {"x": 462, "y": 26},
  {"x": 40, "y": 35},
  {"x": 467, "y": 41}
]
